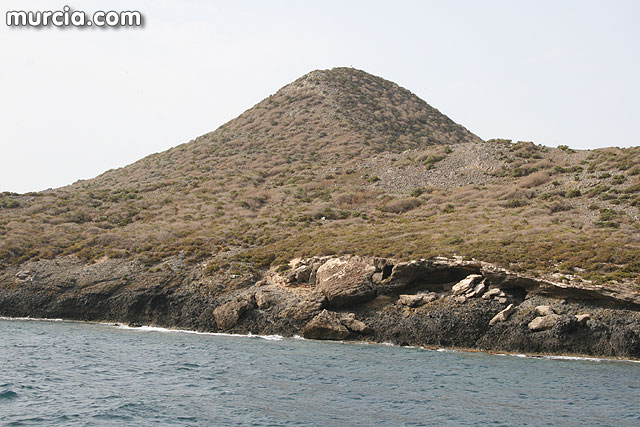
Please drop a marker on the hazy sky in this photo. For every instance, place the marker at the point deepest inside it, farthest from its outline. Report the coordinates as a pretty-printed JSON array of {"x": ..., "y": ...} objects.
[{"x": 74, "y": 103}]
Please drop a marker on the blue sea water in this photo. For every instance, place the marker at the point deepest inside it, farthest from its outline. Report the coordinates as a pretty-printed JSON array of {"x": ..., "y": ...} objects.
[{"x": 64, "y": 373}]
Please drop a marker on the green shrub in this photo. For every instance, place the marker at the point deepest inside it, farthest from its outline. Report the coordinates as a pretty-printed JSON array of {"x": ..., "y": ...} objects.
[
  {"x": 9, "y": 203},
  {"x": 402, "y": 205},
  {"x": 607, "y": 214},
  {"x": 514, "y": 203},
  {"x": 566, "y": 148},
  {"x": 449, "y": 208}
]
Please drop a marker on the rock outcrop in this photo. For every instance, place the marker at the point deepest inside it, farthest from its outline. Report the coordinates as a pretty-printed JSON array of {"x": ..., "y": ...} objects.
[
  {"x": 361, "y": 305},
  {"x": 354, "y": 325},
  {"x": 327, "y": 325},
  {"x": 227, "y": 315},
  {"x": 346, "y": 281},
  {"x": 305, "y": 309}
]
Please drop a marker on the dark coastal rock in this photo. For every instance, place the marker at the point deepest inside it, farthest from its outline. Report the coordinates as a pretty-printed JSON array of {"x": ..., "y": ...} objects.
[
  {"x": 264, "y": 300},
  {"x": 346, "y": 281},
  {"x": 128, "y": 292},
  {"x": 354, "y": 325},
  {"x": 227, "y": 315},
  {"x": 327, "y": 325},
  {"x": 305, "y": 309}
]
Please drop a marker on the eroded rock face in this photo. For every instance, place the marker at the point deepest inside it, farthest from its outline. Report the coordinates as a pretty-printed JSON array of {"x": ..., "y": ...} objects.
[
  {"x": 263, "y": 300},
  {"x": 346, "y": 281},
  {"x": 327, "y": 325},
  {"x": 401, "y": 276},
  {"x": 305, "y": 309},
  {"x": 227, "y": 315}
]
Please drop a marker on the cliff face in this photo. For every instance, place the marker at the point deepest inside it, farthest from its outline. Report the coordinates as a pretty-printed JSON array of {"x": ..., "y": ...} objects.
[
  {"x": 341, "y": 162},
  {"x": 440, "y": 302}
]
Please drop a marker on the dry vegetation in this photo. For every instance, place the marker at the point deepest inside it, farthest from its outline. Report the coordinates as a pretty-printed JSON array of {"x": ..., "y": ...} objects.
[{"x": 338, "y": 162}]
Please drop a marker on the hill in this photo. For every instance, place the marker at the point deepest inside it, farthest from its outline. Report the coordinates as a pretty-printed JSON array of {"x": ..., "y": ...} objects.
[{"x": 340, "y": 161}]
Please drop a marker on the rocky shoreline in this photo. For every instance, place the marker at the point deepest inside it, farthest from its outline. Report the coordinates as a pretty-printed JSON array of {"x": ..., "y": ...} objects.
[{"x": 428, "y": 303}]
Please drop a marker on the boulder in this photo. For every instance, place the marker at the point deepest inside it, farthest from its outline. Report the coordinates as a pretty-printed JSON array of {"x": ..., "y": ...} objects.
[
  {"x": 417, "y": 300},
  {"x": 326, "y": 325},
  {"x": 460, "y": 299},
  {"x": 376, "y": 278},
  {"x": 346, "y": 281},
  {"x": 465, "y": 284},
  {"x": 494, "y": 292},
  {"x": 314, "y": 271},
  {"x": 477, "y": 290},
  {"x": 227, "y": 315},
  {"x": 544, "y": 310},
  {"x": 23, "y": 275},
  {"x": 503, "y": 300},
  {"x": 263, "y": 300},
  {"x": 542, "y": 323},
  {"x": 303, "y": 273},
  {"x": 582, "y": 318},
  {"x": 503, "y": 315},
  {"x": 355, "y": 325}
]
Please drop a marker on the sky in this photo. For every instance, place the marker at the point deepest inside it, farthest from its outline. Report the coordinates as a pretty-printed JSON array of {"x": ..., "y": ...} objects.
[{"x": 77, "y": 102}]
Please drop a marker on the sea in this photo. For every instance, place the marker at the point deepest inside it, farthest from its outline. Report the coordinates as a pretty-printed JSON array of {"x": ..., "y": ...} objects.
[{"x": 88, "y": 374}]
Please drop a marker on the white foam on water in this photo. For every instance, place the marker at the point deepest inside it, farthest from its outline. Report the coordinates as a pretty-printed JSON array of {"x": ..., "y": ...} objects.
[
  {"x": 145, "y": 328},
  {"x": 590, "y": 359},
  {"x": 38, "y": 319}
]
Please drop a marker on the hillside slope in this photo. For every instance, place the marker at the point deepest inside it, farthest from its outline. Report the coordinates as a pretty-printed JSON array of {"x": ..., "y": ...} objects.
[{"x": 343, "y": 162}]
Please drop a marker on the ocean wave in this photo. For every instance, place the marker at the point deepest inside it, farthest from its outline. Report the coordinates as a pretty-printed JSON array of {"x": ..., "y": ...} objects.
[
  {"x": 38, "y": 319},
  {"x": 590, "y": 359},
  {"x": 8, "y": 394},
  {"x": 146, "y": 328}
]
